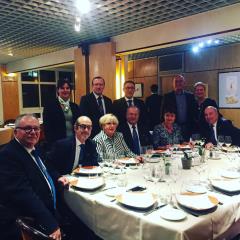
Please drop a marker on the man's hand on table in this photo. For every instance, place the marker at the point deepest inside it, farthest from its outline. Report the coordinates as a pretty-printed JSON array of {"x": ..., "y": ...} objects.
[{"x": 56, "y": 234}]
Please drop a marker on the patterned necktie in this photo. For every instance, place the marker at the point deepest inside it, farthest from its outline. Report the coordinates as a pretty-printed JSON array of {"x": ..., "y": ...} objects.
[
  {"x": 46, "y": 174},
  {"x": 100, "y": 105},
  {"x": 212, "y": 136},
  {"x": 82, "y": 154},
  {"x": 130, "y": 103},
  {"x": 136, "y": 146}
]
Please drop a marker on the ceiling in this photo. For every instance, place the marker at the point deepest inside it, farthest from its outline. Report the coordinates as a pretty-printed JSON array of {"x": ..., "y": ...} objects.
[{"x": 34, "y": 27}]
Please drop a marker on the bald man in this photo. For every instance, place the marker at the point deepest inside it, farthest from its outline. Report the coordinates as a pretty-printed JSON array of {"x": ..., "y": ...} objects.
[
  {"x": 218, "y": 126},
  {"x": 184, "y": 104},
  {"x": 69, "y": 153}
]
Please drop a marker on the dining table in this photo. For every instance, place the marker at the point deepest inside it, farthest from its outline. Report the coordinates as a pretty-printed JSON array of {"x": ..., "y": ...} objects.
[{"x": 102, "y": 211}]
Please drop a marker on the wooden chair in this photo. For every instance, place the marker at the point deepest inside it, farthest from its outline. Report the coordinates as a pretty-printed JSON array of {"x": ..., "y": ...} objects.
[
  {"x": 6, "y": 135},
  {"x": 29, "y": 231}
]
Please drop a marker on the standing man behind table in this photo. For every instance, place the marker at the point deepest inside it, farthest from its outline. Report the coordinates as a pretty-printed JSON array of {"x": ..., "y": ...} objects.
[
  {"x": 153, "y": 105},
  {"x": 69, "y": 153},
  {"x": 218, "y": 126},
  {"x": 185, "y": 105},
  {"x": 95, "y": 104},
  {"x": 120, "y": 105},
  {"x": 134, "y": 133},
  {"x": 26, "y": 188}
]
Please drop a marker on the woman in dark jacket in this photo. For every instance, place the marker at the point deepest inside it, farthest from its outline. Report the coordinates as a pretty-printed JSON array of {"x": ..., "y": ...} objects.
[{"x": 60, "y": 114}]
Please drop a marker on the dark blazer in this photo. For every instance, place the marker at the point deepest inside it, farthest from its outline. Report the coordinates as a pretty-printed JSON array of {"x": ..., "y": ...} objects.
[
  {"x": 224, "y": 128},
  {"x": 143, "y": 131},
  {"x": 62, "y": 155},
  {"x": 153, "y": 105},
  {"x": 89, "y": 107},
  {"x": 120, "y": 107},
  {"x": 23, "y": 189},
  {"x": 169, "y": 100},
  {"x": 54, "y": 120}
]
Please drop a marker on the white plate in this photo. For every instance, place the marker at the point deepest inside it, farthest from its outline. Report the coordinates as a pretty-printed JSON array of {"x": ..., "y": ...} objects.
[
  {"x": 228, "y": 186},
  {"x": 172, "y": 214},
  {"x": 140, "y": 200},
  {"x": 128, "y": 161},
  {"x": 153, "y": 160},
  {"x": 230, "y": 149},
  {"x": 89, "y": 183},
  {"x": 117, "y": 171},
  {"x": 197, "y": 202},
  {"x": 196, "y": 189},
  {"x": 88, "y": 170},
  {"x": 230, "y": 174}
]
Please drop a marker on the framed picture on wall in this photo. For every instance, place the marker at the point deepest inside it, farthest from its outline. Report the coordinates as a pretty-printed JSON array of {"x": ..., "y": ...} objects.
[
  {"x": 229, "y": 90},
  {"x": 138, "y": 90}
]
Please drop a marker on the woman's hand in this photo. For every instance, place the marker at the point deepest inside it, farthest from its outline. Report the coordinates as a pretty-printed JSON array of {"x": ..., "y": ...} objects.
[
  {"x": 209, "y": 146},
  {"x": 56, "y": 234},
  {"x": 64, "y": 181},
  {"x": 140, "y": 159}
]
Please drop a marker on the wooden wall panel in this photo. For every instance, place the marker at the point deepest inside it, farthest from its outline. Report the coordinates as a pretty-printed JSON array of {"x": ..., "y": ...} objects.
[
  {"x": 10, "y": 96},
  {"x": 130, "y": 70},
  {"x": 102, "y": 62}
]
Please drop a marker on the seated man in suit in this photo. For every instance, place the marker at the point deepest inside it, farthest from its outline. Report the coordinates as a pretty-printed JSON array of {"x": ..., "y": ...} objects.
[
  {"x": 134, "y": 133},
  {"x": 95, "y": 104},
  {"x": 26, "y": 188},
  {"x": 69, "y": 153},
  {"x": 120, "y": 105},
  {"x": 218, "y": 126}
]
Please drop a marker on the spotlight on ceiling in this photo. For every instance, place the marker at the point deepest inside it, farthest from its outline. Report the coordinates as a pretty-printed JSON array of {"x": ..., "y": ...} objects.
[
  {"x": 83, "y": 6},
  {"x": 195, "y": 49},
  {"x": 209, "y": 41},
  {"x": 77, "y": 25},
  {"x": 216, "y": 41},
  {"x": 10, "y": 54},
  {"x": 201, "y": 44}
]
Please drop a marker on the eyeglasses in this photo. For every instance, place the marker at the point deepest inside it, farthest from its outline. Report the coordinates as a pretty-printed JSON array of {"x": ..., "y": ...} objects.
[
  {"x": 29, "y": 129},
  {"x": 83, "y": 126}
]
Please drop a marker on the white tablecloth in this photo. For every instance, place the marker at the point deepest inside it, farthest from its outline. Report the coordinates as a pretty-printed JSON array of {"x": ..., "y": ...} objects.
[{"x": 110, "y": 220}]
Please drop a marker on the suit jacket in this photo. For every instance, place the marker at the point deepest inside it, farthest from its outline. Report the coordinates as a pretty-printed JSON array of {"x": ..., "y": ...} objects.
[
  {"x": 143, "y": 132},
  {"x": 169, "y": 99},
  {"x": 62, "y": 156},
  {"x": 89, "y": 107},
  {"x": 224, "y": 128},
  {"x": 120, "y": 107},
  {"x": 153, "y": 105},
  {"x": 23, "y": 189},
  {"x": 54, "y": 120}
]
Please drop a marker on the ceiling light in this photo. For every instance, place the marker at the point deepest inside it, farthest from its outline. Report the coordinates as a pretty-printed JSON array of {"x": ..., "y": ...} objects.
[
  {"x": 10, "y": 54},
  {"x": 195, "y": 49},
  {"x": 77, "y": 25},
  {"x": 83, "y": 6},
  {"x": 209, "y": 41},
  {"x": 216, "y": 41},
  {"x": 201, "y": 44}
]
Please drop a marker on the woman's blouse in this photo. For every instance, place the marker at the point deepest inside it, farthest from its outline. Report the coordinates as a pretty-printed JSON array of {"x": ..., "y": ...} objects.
[
  {"x": 114, "y": 147},
  {"x": 69, "y": 126},
  {"x": 161, "y": 137}
]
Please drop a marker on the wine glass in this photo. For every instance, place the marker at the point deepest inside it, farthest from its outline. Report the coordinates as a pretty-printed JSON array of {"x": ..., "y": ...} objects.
[
  {"x": 220, "y": 140},
  {"x": 195, "y": 138},
  {"x": 228, "y": 141},
  {"x": 156, "y": 174}
]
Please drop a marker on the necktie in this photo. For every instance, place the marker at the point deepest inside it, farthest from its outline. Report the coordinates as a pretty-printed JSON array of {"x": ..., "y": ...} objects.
[
  {"x": 212, "y": 136},
  {"x": 46, "y": 174},
  {"x": 136, "y": 146},
  {"x": 82, "y": 154},
  {"x": 100, "y": 105},
  {"x": 129, "y": 103}
]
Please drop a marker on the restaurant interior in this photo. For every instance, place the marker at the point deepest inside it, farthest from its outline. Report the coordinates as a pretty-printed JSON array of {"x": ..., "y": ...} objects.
[{"x": 145, "y": 41}]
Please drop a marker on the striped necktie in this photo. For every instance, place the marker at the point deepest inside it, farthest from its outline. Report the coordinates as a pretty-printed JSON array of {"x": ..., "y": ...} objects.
[{"x": 46, "y": 174}]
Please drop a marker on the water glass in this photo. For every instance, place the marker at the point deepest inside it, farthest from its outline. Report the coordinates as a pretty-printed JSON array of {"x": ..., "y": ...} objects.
[
  {"x": 228, "y": 141},
  {"x": 220, "y": 140}
]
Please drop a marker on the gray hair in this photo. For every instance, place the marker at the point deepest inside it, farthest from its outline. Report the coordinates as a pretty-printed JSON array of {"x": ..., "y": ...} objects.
[
  {"x": 108, "y": 118},
  {"x": 199, "y": 84},
  {"x": 20, "y": 117}
]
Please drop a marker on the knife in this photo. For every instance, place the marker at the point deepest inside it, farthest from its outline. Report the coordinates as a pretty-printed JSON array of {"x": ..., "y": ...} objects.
[{"x": 154, "y": 209}]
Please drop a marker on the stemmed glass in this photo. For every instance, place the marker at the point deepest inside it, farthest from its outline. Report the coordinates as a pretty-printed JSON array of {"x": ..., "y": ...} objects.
[
  {"x": 195, "y": 138},
  {"x": 228, "y": 141},
  {"x": 220, "y": 141},
  {"x": 156, "y": 174}
]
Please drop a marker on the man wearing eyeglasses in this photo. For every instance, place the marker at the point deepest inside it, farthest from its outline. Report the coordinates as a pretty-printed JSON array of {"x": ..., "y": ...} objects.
[
  {"x": 67, "y": 154},
  {"x": 26, "y": 187}
]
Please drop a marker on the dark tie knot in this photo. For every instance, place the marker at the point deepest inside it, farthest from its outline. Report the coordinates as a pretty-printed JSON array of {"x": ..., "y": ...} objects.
[
  {"x": 133, "y": 126},
  {"x": 129, "y": 102},
  {"x": 99, "y": 98}
]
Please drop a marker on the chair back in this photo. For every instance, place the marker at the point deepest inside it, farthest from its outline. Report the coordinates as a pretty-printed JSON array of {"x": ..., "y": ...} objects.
[
  {"x": 29, "y": 231},
  {"x": 6, "y": 135}
]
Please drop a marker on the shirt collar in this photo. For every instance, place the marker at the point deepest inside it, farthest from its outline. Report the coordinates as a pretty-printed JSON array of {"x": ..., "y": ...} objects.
[
  {"x": 29, "y": 150},
  {"x": 130, "y": 125},
  {"x": 105, "y": 136},
  {"x": 78, "y": 143},
  {"x": 127, "y": 99},
  {"x": 97, "y": 96}
]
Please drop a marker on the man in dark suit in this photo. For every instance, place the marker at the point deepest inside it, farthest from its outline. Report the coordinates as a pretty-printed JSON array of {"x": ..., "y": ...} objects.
[
  {"x": 218, "y": 126},
  {"x": 26, "y": 188},
  {"x": 120, "y": 105},
  {"x": 68, "y": 153},
  {"x": 134, "y": 133},
  {"x": 185, "y": 106},
  {"x": 153, "y": 105},
  {"x": 95, "y": 104}
]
